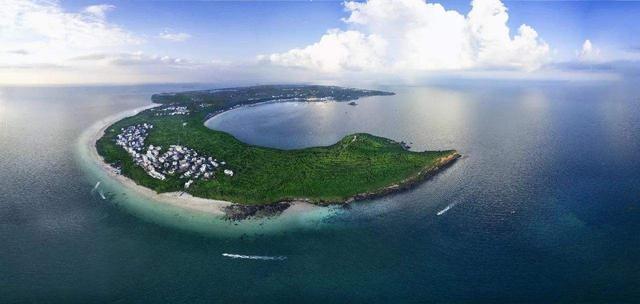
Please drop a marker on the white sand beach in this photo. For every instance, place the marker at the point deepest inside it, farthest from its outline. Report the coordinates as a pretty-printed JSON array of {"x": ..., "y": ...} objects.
[{"x": 178, "y": 199}]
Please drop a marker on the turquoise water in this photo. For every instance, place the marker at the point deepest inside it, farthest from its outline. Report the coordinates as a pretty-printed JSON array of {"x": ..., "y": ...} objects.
[
  {"x": 111, "y": 190},
  {"x": 544, "y": 206}
]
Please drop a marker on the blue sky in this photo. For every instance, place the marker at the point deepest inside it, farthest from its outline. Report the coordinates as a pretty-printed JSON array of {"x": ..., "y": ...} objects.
[
  {"x": 227, "y": 30},
  {"x": 176, "y": 41},
  {"x": 236, "y": 30}
]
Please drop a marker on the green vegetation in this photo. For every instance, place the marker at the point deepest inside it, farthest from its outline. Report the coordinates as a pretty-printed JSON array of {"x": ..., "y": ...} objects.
[
  {"x": 233, "y": 96},
  {"x": 358, "y": 163}
]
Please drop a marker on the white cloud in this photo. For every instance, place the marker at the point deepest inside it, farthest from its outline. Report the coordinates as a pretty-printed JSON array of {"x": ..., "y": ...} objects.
[
  {"x": 18, "y": 52},
  {"x": 335, "y": 51},
  {"x": 589, "y": 52},
  {"x": 413, "y": 35},
  {"x": 384, "y": 41},
  {"x": 47, "y": 34},
  {"x": 100, "y": 10},
  {"x": 174, "y": 37},
  {"x": 122, "y": 67},
  {"x": 42, "y": 43},
  {"x": 133, "y": 59}
]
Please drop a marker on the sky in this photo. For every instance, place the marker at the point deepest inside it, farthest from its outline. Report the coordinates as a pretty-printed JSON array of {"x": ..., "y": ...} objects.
[{"x": 377, "y": 41}]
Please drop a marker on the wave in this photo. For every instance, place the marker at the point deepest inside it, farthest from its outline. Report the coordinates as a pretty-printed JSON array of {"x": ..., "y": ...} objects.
[{"x": 254, "y": 257}]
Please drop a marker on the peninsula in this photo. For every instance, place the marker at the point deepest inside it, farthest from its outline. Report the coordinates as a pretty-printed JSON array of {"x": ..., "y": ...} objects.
[{"x": 168, "y": 148}]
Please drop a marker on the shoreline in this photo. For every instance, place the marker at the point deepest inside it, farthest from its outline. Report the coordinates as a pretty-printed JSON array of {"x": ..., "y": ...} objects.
[
  {"x": 407, "y": 184},
  {"x": 177, "y": 199},
  {"x": 423, "y": 176},
  {"x": 233, "y": 211},
  {"x": 183, "y": 200}
]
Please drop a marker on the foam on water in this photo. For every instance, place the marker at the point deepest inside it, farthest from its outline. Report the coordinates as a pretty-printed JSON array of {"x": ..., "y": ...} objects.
[{"x": 255, "y": 257}]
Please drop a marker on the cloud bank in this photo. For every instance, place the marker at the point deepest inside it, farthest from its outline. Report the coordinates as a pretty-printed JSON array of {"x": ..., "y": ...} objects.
[
  {"x": 40, "y": 42},
  {"x": 413, "y": 35},
  {"x": 41, "y": 33}
]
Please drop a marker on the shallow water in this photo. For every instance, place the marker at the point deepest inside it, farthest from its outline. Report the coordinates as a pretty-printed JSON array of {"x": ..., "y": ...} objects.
[
  {"x": 543, "y": 207},
  {"x": 312, "y": 217}
]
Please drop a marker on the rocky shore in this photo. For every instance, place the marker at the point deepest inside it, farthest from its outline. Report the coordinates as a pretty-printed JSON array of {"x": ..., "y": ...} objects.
[
  {"x": 238, "y": 212},
  {"x": 406, "y": 184},
  {"x": 412, "y": 181}
]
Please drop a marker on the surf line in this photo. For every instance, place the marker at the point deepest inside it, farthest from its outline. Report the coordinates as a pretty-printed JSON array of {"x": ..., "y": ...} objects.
[{"x": 254, "y": 257}]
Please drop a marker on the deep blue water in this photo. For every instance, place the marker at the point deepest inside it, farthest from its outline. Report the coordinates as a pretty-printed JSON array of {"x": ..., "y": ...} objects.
[{"x": 544, "y": 206}]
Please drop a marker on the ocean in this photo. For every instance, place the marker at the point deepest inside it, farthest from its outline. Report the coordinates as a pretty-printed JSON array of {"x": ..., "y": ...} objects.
[{"x": 543, "y": 207}]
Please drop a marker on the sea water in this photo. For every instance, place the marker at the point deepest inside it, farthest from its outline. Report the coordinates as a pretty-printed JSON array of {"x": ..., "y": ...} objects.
[{"x": 543, "y": 207}]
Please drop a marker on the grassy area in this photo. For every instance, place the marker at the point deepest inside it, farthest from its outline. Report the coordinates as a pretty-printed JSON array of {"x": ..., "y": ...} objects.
[{"x": 358, "y": 163}]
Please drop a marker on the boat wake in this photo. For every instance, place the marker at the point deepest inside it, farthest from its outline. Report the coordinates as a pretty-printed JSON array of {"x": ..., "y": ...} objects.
[
  {"x": 254, "y": 257},
  {"x": 95, "y": 187},
  {"x": 443, "y": 211}
]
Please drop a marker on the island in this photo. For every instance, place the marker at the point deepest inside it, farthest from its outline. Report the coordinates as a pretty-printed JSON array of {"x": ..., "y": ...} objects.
[{"x": 167, "y": 148}]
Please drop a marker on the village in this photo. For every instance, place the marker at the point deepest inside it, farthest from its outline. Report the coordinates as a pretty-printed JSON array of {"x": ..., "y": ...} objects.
[
  {"x": 177, "y": 160},
  {"x": 171, "y": 111}
]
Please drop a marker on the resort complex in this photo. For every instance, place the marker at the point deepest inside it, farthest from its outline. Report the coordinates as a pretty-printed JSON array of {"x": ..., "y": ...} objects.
[{"x": 177, "y": 160}]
